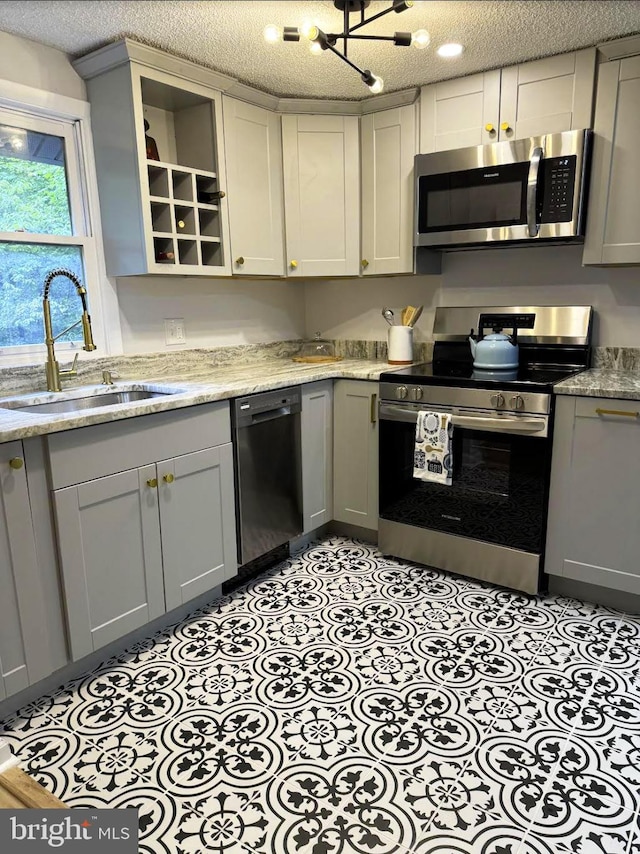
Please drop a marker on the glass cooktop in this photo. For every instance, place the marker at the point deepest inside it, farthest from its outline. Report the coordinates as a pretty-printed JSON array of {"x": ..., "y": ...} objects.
[{"x": 464, "y": 375}]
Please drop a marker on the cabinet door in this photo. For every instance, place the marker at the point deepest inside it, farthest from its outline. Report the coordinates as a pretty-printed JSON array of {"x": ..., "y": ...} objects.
[
  {"x": 321, "y": 195},
  {"x": 317, "y": 454},
  {"x": 593, "y": 533},
  {"x": 254, "y": 188},
  {"x": 613, "y": 225},
  {"x": 456, "y": 113},
  {"x": 355, "y": 457},
  {"x": 548, "y": 95},
  {"x": 17, "y": 571},
  {"x": 109, "y": 540},
  {"x": 388, "y": 148},
  {"x": 197, "y": 518}
]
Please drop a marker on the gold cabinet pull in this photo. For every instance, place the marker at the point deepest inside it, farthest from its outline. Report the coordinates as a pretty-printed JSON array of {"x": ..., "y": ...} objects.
[
  {"x": 374, "y": 407},
  {"x": 505, "y": 126},
  {"x": 168, "y": 478},
  {"x": 152, "y": 483},
  {"x": 622, "y": 412},
  {"x": 490, "y": 128},
  {"x": 16, "y": 462},
  {"x": 365, "y": 263},
  {"x": 293, "y": 264},
  {"x": 240, "y": 261}
]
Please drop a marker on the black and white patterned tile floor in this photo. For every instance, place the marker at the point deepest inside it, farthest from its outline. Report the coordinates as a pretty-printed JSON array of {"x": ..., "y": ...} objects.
[{"x": 346, "y": 703}]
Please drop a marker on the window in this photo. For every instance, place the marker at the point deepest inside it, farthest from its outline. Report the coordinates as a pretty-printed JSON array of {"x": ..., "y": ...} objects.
[{"x": 44, "y": 225}]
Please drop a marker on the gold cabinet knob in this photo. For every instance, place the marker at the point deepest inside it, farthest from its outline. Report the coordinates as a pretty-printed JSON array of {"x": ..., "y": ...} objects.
[
  {"x": 240, "y": 261},
  {"x": 180, "y": 223},
  {"x": 16, "y": 462},
  {"x": 168, "y": 478},
  {"x": 364, "y": 263},
  {"x": 293, "y": 264},
  {"x": 490, "y": 128},
  {"x": 505, "y": 126},
  {"x": 152, "y": 483}
]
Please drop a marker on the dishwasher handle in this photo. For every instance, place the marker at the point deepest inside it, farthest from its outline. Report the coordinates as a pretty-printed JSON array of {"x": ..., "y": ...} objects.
[{"x": 260, "y": 417}]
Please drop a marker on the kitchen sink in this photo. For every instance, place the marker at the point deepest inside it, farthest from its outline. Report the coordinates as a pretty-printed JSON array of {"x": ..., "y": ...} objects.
[{"x": 94, "y": 401}]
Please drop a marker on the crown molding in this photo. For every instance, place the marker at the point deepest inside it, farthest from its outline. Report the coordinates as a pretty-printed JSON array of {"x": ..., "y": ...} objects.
[
  {"x": 127, "y": 50},
  {"x": 619, "y": 48}
]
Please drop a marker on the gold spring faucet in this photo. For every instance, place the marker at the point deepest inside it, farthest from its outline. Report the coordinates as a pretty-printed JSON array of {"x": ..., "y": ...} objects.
[{"x": 54, "y": 374}]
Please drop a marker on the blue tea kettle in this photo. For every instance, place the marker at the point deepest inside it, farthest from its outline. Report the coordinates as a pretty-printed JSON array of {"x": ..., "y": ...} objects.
[{"x": 495, "y": 352}]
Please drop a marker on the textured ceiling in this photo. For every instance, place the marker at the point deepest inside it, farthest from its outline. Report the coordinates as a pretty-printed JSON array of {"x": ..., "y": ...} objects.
[{"x": 226, "y": 35}]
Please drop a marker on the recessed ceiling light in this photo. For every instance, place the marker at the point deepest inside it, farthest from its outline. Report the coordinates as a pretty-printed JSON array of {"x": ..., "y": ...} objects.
[{"x": 450, "y": 50}]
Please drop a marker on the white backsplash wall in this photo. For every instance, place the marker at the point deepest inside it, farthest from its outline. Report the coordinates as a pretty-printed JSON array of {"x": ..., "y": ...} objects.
[
  {"x": 548, "y": 275},
  {"x": 351, "y": 308},
  {"x": 217, "y": 312}
]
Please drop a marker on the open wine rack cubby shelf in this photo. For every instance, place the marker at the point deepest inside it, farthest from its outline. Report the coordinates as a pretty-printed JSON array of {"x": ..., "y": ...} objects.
[{"x": 185, "y": 224}]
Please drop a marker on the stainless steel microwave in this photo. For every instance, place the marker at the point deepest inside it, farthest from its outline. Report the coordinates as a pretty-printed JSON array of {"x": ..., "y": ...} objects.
[{"x": 531, "y": 190}]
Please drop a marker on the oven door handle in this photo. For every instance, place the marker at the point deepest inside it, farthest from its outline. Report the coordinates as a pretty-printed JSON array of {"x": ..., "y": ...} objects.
[{"x": 521, "y": 424}]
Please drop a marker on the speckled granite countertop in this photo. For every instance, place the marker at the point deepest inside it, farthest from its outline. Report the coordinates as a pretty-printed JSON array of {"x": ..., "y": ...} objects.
[
  {"x": 603, "y": 382},
  {"x": 188, "y": 388}
]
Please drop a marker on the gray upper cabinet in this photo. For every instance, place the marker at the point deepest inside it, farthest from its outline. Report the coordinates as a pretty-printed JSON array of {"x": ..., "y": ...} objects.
[
  {"x": 593, "y": 534},
  {"x": 613, "y": 225},
  {"x": 321, "y": 156},
  {"x": 317, "y": 454},
  {"x": 20, "y": 625},
  {"x": 159, "y": 206},
  {"x": 544, "y": 96},
  {"x": 253, "y": 148},
  {"x": 388, "y": 146},
  {"x": 141, "y": 540},
  {"x": 355, "y": 454}
]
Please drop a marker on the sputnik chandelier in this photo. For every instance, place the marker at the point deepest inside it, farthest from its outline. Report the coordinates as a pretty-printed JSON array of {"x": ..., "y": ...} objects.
[{"x": 327, "y": 41}]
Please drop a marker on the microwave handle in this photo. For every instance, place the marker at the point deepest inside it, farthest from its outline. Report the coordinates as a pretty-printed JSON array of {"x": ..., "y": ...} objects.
[{"x": 532, "y": 191}]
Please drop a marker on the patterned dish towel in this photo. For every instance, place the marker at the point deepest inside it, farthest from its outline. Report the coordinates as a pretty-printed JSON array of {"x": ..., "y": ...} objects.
[{"x": 433, "y": 458}]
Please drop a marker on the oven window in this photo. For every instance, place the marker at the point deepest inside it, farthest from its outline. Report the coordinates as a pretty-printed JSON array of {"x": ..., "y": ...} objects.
[
  {"x": 498, "y": 493},
  {"x": 484, "y": 466}
]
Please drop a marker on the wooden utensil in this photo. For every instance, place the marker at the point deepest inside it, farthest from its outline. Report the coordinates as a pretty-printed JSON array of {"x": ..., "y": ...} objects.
[{"x": 416, "y": 314}]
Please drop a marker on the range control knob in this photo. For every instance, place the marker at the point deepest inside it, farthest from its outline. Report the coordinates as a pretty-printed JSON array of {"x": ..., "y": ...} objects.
[
  {"x": 516, "y": 402},
  {"x": 497, "y": 400},
  {"x": 401, "y": 392},
  {"x": 416, "y": 393}
]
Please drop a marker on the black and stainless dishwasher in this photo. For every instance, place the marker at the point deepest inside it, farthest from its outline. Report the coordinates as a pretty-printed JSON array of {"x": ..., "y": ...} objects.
[{"x": 266, "y": 439}]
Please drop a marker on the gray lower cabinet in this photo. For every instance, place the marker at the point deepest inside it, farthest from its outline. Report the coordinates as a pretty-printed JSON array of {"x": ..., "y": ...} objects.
[
  {"x": 20, "y": 627},
  {"x": 137, "y": 540},
  {"x": 593, "y": 534},
  {"x": 355, "y": 455},
  {"x": 317, "y": 454}
]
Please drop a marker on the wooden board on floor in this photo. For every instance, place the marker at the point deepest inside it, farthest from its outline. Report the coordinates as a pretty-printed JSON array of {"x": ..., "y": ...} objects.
[{"x": 20, "y": 791}]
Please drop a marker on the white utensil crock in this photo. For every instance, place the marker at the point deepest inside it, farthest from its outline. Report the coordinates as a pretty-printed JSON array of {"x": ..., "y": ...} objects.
[{"x": 400, "y": 345}]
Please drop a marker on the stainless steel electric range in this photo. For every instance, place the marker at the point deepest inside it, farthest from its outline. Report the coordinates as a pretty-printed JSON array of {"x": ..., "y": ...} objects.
[{"x": 490, "y": 523}]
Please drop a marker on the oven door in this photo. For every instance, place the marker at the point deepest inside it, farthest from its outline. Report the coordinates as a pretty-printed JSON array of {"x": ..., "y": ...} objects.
[{"x": 499, "y": 490}]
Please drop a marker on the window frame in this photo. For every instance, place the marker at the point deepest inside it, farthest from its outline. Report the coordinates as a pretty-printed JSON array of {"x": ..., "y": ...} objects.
[{"x": 52, "y": 113}]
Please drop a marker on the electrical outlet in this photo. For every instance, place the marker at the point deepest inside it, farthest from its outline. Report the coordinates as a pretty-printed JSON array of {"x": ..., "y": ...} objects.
[{"x": 174, "y": 331}]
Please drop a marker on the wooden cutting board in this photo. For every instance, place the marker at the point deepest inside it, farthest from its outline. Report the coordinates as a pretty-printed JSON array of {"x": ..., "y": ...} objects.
[{"x": 20, "y": 791}]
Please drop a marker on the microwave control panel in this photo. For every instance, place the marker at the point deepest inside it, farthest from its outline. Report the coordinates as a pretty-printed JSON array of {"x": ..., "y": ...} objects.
[{"x": 558, "y": 182}]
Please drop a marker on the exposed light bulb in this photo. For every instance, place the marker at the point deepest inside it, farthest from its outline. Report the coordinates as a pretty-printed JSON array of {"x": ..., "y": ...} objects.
[
  {"x": 272, "y": 34},
  {"x": 450, "y": 50},
  {"x": 420, "y": 39},
  {"x": 315, "y": 48},
  {"x": 377, "y": 86},
  {"x": 307, "y": 28}
]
